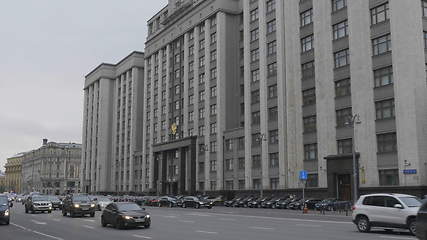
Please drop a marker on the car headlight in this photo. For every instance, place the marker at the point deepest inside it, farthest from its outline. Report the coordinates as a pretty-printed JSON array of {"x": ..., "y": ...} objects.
[
  {"x": 127, "y": 217},
  {"x": 76, "y": 205},
  {"x": 147, "y": 216},
  {"x": 92, "y": 205},
  {"x": 6, "y": 213}
]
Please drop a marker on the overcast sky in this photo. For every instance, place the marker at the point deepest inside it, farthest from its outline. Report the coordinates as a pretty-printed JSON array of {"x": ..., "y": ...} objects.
[{"x": 46, "y": 49}]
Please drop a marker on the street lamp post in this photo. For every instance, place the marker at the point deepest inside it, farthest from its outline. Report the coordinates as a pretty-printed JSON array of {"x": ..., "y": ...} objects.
[
  {"x": 355, "y": 119},
  {"x": 261, "y": 137},
  {"x": 205, "y": 149}
]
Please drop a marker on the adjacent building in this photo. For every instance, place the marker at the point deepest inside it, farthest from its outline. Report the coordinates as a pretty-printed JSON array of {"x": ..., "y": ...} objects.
[
  {"x": 112, "y": 127},
  {"x": 243, "y": 95},
  {"x": 52, "y": 169},
  {"x": 13, "y": 173},
  {"x": 2, "y": 182}
]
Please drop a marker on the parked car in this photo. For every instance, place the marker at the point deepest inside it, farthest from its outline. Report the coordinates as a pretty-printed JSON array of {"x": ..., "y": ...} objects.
[
  {"x": 243, "y": 202},
  {"x": 253, "y": 203},
  {"x": 167, "y": 201},
  {"x": 5, "y": 206},
  {"x": 325, "y": 204},
  {"x": 262, "y": 201},
  {"x": 230, "y": 203},
  {"x": 297, "y": 204},
  {"x": 422, "y": 222},
  {"x": 272, "y": 202},
  {"x": 125, "y": 214},
  {"x": 56, "y": 202},
  {"x": 195, "y": 202},
  {"x": 283, "y": 204},
  {"x": 216, "y": 201},
  {"x": 311, "y": 203},
  {"x": 386, "y": 211},
  {"x": 78, "y": 204},
  {"x": 38, "y": 203}
]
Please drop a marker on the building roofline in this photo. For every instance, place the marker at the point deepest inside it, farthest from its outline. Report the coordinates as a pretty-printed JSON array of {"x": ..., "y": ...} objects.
[
  {"x": 167, "y": 5},
  {"x": 111, "y": 64}
]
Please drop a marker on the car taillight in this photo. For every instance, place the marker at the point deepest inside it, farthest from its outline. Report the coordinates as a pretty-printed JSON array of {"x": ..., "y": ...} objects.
[{"x": 353, "y": 207}]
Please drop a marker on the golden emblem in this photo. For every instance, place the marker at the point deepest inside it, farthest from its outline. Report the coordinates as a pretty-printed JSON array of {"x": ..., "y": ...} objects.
[{"x": 174, "y": 127}]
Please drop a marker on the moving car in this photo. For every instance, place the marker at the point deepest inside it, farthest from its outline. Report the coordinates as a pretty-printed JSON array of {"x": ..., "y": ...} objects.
[
  {"x": 56, "y": 202},
  {"x": 102, "y": 202},
  {"x": 195, "y": 202},
  {"x": 386, "y": 211},
  {"x": 167, "y": 201},
  {"x": 125, "y": 214},
  {"x": 422, "y": 222},
  {"x": 79, "y": 204},
  {"x": 38, "y": 203},
  {"x": 5, "y": 209}
]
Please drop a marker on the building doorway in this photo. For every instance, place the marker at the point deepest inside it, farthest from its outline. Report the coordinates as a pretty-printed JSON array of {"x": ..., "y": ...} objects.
[{"x": 344, "y": 187}]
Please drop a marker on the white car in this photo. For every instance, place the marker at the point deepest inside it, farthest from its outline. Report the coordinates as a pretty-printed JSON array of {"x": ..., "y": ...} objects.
[{"x": 387, "y": 211}]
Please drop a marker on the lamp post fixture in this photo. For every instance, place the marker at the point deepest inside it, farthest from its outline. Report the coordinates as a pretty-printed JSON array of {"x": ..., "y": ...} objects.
[
  {"x": 261, "y": 137},
  {"x": 355, "y": 119}
]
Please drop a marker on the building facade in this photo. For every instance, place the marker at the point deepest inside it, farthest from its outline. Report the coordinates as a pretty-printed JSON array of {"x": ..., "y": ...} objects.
[
  {"x": 112, "y": 126},
  {"x": 52, "y": 169},
  {"x": 2, "y": 182},
  {"x": 243, "y": 95},
  {"x": 14, "y": 173}
]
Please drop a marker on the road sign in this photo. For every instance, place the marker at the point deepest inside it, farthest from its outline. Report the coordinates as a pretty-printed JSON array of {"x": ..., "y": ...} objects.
[
  {"x": 303, "y": 175},
  {"x": 410, "y": 171}
]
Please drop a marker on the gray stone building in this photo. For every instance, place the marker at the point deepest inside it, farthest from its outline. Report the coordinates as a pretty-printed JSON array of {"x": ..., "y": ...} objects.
[
  {"x": 52, "y": 169},
  {"x": 242, "y": 95},
  {"x": 112, "y": 126}
]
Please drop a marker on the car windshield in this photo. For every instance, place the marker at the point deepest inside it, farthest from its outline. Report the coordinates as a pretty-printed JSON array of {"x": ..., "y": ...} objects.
[
  {"x": 129, "y": 207},
  {"x": 40, "y": 198},
  {"x": 411, "y": 201},
  {"x": 3, "y": 201},
  {"x": 81, "y": 198}
]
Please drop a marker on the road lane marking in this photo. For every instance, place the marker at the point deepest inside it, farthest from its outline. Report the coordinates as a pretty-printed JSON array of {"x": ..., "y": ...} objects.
[
  {"x": 403, "y": 238},
  {"x": 36, "y": 232},
  {"x": 87, "y": 226},
  {"x": 307, "y": 225},
  {"x": 198, "y": 214},
  {"x": 89, "y": 220},
  {"x": 169, "y": 216},
  {"x": 19, "y": 226},
  {"x": 140, "y": 236},
  {"x": 200, "y": 231},
  {"x": 262, "y": 228},
  {"x": 56, "y": 219},
  {"x": 37, "y": 222},
  {"x": 227, "y": 219},
  {"x": 186, "y": 221}
]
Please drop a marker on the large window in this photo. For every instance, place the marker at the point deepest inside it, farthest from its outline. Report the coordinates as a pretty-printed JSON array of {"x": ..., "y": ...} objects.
[
  {"x": 255, "y": 118},
  {"x": 343, "y": 88},
  {"x": 425, "y": 39},
  {"x": 338, "y": 4},
  {"x": 381, "y": 45},
  {"x": 307, "y": 69},
  {"x": 306, "y": 17},
  {"x": 272, "y": 91},
  {"x": 273, "y": 137},
  {"x": 212, "y": 165},
  {"x": 307, "y": 43},
  {"x": 379, "y": 14},
  {"x": 386, "y": 142},
  {"x": 383, "y": 76},
  {"x": 254, "y": 34},
  {"x": 272, "y": 69},
  {"x": 309, "y": 124},
  {"x": 255, "y": 97},
  {"x": 255, "y": 75},
  {"x": 274, "y": 160},
  {"x": 340, "y": 30},
  {"x": 272, "y": 114},
  {"x": 255, "y": 55},
  {"x": 274, "y": 183},
  {"x": 342, "y": 58},
  {"x": 241, "y": 163},
  {"x": 310, "y": 152},
  {"x": 271, "y": 6},
  {"x": 343, "y": 116},
  {"x": 389, "y": 177},
  {"x": 384, "y": 109},
  {"x": 309, "y": 97},
  {"x": 256, "y": 183},
  {"x": 271, "y": 48},
  {"x": 256, "y": 161},
  {"x": 345, "y": 146},
  {"x": 254, "y": 15},
  {"x": 228, "y": 164}
]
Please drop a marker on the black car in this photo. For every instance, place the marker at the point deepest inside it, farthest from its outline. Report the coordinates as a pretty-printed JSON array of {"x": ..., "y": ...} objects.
[
  {"x": 243, "y": 202},
  {"x": 422, "y": 222},
  {"x": 125, "y": 214},
  {"x": 167, "y": 202},
  {"x": 56, "y": 202},
  {"x": 284, "y": 204},
  {"x": 78, "y": 204},
  {"x": 261, "y": 202},
  {"x": 253, "y": 203},
  {"x": 196, "y": 202},
  {"x": 230, "y": 203},
  {"x": 5, "y": 206},
  {"x": 326, "y": 204},
  {"x": 311, "y": 203},
  {"x": 272, "y": 202}
]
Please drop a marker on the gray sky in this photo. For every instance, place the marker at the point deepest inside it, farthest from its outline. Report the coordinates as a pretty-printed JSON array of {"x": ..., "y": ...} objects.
[{"x": 46, "y": 48}]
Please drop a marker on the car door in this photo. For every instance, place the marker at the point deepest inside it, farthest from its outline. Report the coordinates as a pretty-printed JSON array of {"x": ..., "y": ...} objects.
[
  {"x": 391, "y": 214},
  {"x": 373, "y": 208},
  {"x": 108, "y": 213}
]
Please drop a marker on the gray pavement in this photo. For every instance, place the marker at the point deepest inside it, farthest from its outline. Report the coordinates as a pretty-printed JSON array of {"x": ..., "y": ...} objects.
[{"x": 194, "y": 224}]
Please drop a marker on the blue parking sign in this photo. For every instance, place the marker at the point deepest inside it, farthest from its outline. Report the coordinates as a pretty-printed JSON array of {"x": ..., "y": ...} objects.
[{"x": 303, "y": 175}]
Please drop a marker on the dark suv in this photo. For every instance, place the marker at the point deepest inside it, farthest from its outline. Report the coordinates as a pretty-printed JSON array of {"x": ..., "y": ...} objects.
[
  {"x": 78, "y": 204},
  {"x": 422, "y": 222},
  {"x": 4, "y": 209}
]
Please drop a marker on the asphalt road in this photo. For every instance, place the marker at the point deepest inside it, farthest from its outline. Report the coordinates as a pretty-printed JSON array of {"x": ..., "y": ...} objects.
[{"x": 194, "y": 224}]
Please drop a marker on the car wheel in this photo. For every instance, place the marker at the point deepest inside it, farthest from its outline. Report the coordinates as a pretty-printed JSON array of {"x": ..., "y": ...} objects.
[
  {"x": 184, "y": 205},
  {"x": 26, "y": 210},
  {"x": 197, "y": 206},
  {"x": 363, "y": 224},
  {"x": 103, "y": 222},
  {"x": 92, "y": 214},
  {"x": 147, "y": 225},
  {"x": 412, "y": 225},
  {"x": 72, "y": 214},
  {"x": 170, "y": 205}
]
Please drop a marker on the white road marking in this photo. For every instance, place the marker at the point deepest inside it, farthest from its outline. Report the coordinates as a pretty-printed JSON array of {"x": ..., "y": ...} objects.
[
  {"x": 403, "y": 238},
  {"x": 89, "y": 220},
  {"x": 87, "y": 226},
  {"x": 169, "y": 216},
  {"x": 140, "y": 236},
  {"x": 36, "y": 232},
  {"x": 227, "y": 219},
  {"x": 200, "y": 231},
  {"x": 199, "y": 214},
  {"x": 307, "y": 225},
  {"x": 56, "y": 219},
  {"x": 186, "y": 221},
  {"x": 262, "y": 228},
  {"x": 37, "y": 222}
]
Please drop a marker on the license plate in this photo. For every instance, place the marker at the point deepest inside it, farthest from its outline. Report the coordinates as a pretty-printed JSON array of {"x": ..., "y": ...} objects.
[
  {"x": 139, "y": 220},
  {"x": 85, "y": 209}
]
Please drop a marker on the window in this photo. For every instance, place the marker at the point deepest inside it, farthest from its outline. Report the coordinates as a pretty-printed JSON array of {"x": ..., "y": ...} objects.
[
  {"x": 202, "y": 28},
  {"x": 213, "y": 109},
  {"x": 255, "y": 97},
  {"x": 256, "y": 161},
  {"x": 312, "y": 180},
  {"x": 307, "y": 43},
  {"x": 379, "y": 14},
  {"x": 385, "y": 109},
  {"x": 306, "y": 17},
  {"x": 338, "y": 4},
  {"x": 307, "y": 69},
  {"x": 386, "y": 142},
  {"x": 213, "y": 73},
  {"x": 255, "y": 118},
  {"x": 201, "y": 130},
  {"x": 309, "y": 124},
  {"x": 201, "y": 113},
  {"x": 425, "y": 39},
  {"x": 310, "y": 152},
  {"x": 271, "y": 6},
  {"x": 213, "y": 38},
  {"x": 272, "y": 114},
  {"x": 309, "y": 97},
  {"x": 177, "y": 74},
  {"x": 381, "y": 45},
  {"x": 343, "y": 115},
  {"x": 274, "y": 183},
  {"x": 213, "y": 128},
  {"x": 256, "y": 183},
  {"x": 177, "y": 89},
  {"x": 202, "y": 61},
  {"x": 255, "y": 55},
  {"x": 274, "y": 160},
  {"x": 212, "y": 165},
  {"x": 341, "y": 58},
  {"x": 256, "y": 140},
  {"x": 343, "y": 88},
  {"x": 241, "y": 143},
  {"x": 190, "y": 116},
  {"x": 191, "y": 50},
  {"x": 254, "y": 15},
  {"x": 229, "y": 164},
  {"x": 213, "y": 22},
  {"x": 340, "y": 30},
  {"x": 377, "y": 201},
  {"x": 213, "y": 91},
  {"x": 345, "y": 146},
  {"x": 254, "y": 35},
  {"x": 383, "y": 76},
  {"x": 273, "y": 137},
  {"x": 424, "y": 8},
  {"x": 228, "y": 145},
  {"x": 191, "y": 67},
  {"x": 191, "y": 35},
  {"x": 191, "y": 99},
  {"x": 389, "y": 177},
  {"x": 271, "y": 48},
  {"x": 213, "y": 56},
  {"x": 271, "y": 26},
  {"x": 255, "y": 75},
  {"x": 272, "y": 91},
  {"x": 272, "y": 69},
  {"x": 202, "y": 95},
  {"x": 241, "y": 184},
  {"x": 213, "y": 147},
  {"x": 241, "y": 163},
  {"x": 201, "y": 78},
  {"x": 177, "y": 105}
]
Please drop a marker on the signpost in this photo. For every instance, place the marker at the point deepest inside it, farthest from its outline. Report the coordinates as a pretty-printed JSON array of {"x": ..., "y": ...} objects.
[{"x": 303, "y": 178}]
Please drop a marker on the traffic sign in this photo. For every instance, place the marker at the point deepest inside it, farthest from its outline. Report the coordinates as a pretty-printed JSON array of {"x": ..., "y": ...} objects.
[
  {"x": 410, "y": 171},
  {"x": 303, "y": 175}
]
